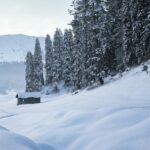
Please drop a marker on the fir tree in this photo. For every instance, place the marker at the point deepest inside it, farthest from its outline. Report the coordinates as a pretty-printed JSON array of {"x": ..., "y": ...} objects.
[
  {"x": 57, "y": 56},
  {"x": 77, "y": 49},
  {"x": 80, "y": 26},
  {"x": 29, "y": 73},
  {"x": 68, "y": 57},
  {"x": 114, "y": 51},
  {"x": 141, "y": 29},
  {"x": 38, "y": 67},
  {"x": 97, "y": 40},
  {"x": 128, "y": 46},
  {"x": 48, "y": 60}
]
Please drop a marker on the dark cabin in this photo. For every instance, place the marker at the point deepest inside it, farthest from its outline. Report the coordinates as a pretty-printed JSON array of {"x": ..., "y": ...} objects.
[{"x": 28, "y": 98}]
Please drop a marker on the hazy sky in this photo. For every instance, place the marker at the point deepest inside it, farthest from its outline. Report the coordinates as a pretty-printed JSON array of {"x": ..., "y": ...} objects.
[{"x": 33, "y": 17}]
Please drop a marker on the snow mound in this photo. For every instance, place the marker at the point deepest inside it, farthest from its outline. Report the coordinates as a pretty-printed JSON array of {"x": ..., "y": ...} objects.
[{"x": 12, "y": 141}]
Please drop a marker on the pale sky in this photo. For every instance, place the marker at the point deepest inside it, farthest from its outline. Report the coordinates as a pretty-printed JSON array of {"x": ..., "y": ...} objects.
[{"x": 33, "y": 17}]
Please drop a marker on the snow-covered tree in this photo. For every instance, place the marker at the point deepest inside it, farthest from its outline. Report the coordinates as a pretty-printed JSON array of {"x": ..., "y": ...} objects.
[
  {"x": 106, "y": 37},
  {"x": 90, "y": 39},
  {"x": 29, "y": 73},
  {"x": 68, "y": 57},
  {"x": 57, "y": 56},
  {"x": 97, "y": 40},
  {"x": 38, "y": 67},
  {"x": 127, "y": 26},
  {"x": 77, "y": 48},
  {"x": 48, "y": 60},
  {"x": 114, "y": 51},
  {"x": 141, "y": 29}
]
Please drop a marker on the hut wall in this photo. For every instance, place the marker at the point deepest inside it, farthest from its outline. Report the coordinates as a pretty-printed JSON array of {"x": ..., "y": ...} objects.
[{"x": 30, "y": 100}]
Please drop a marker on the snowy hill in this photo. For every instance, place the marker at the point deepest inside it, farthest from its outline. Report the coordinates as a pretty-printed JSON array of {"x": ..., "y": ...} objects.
[
  {"x": 12, "y": 76},
  {"x": 18, "y": 142},
  {"x": 15, "y": 47},
  {"x": 115, "y": 116}
]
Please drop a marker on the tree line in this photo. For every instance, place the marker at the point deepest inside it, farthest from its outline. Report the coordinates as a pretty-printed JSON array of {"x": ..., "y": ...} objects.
[{"x": 107, "y": 37}]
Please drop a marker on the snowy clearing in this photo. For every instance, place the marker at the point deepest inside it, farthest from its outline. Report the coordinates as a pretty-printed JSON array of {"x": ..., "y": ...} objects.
[{"x": 115, "y": 116}]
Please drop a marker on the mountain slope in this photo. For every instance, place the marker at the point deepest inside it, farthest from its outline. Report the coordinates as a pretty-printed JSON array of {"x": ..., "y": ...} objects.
[
  {"x": 115, "y": 116},
  {"x": 12, "y": 76},
  {"x": 15, "y": 47}
]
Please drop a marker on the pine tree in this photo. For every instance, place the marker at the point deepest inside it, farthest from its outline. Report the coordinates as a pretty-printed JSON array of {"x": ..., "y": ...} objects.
[
  {"x": 80, "y": 26},
  {"x": 141, "y": 29},
  {"x": 77, "y": 48},
  {"x": 29, "y": 73},
  {"x": 114, "y": 50},
  {"x": 68, "y": 57},
  {"x": 57, "y": 56},
  {"x": 128, "y": 46},
  {"x": 97, "y": 40},
  {"x": 146, "y": 32},
  {"x": 48, "y": 60},
  {"x": 38, "y": 67}
]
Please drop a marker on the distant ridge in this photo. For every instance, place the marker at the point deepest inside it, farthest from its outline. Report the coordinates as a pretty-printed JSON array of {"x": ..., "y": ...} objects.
[{"x": 13, "y": 48}]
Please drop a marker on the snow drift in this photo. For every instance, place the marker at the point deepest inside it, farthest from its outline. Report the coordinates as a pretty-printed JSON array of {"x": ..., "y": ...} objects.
[{"x": 12, "y": 141}]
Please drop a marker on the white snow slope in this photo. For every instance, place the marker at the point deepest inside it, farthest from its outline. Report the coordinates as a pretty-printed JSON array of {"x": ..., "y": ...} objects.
[
  {"x": 115, "y": 116},
  {"x": 12, "y": 77},
  {"x": 14, "y": 47},
  {"x": 9, "y": 140}
]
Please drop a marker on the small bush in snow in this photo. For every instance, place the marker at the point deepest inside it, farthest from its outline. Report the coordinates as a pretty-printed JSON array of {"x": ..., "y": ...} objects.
[{"x": 145, "y": 68}]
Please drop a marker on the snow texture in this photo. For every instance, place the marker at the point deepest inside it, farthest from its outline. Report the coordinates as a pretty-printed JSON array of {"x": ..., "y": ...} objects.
[
  {"x": 9, "y": 141},
  {"x": 115, "y": 116}
]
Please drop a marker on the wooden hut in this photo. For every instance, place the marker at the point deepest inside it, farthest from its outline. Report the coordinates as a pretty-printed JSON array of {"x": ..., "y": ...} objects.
[{"x": 28, "y": 98}]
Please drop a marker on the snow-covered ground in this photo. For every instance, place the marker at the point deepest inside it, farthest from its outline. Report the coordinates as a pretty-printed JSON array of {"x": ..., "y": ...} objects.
[
  {"x": 115, "y": 116},
  {"x": 9, "y": 140}
]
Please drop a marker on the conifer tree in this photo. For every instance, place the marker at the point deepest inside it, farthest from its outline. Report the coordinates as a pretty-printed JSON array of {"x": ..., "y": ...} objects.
[
  {"x": 29, "y": 73},
  {"x": 68, "y": 57},
  {"x": 80, "y": 26},
  {"x": 57, "y": 56},
  {"x": 48, "y": 60},
  {"x": 114, "y": 52},
  {"x": 97, "y": 40},
  {"x": 127, "y": 42},
  {"x": 77, "y": 49},
  {"x": 141, "y": 29},
  {"x": 38, "y": 67}
]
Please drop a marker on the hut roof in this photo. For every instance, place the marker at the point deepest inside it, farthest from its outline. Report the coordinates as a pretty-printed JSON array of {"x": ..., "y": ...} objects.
[{"x": 29, "y": 95}]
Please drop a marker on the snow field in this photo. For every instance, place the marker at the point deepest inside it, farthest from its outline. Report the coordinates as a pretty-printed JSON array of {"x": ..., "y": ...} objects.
[{"x": 115, "y": 116}]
